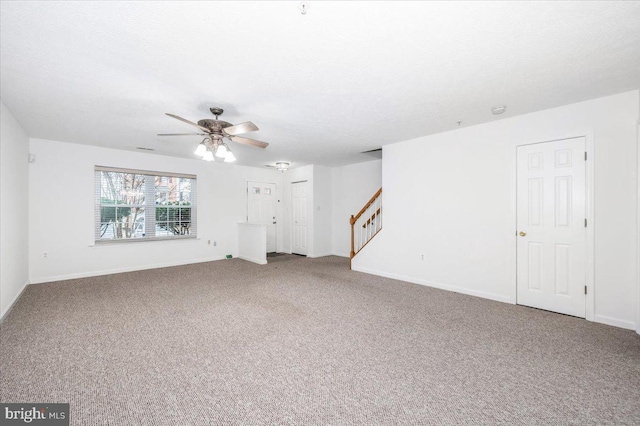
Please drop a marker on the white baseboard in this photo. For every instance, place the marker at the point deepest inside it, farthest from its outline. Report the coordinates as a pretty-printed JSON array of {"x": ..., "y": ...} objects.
[
  {"x": 313, "y": 256},
  {"x": 14, "y": 301},
  {"x": 41, "y": 280},
  {"x": 341, "y": 254},
  {"x": 441, "y": 286},
  {"x": 250, "y": 259},
  {"x": 603, "y": 319}
]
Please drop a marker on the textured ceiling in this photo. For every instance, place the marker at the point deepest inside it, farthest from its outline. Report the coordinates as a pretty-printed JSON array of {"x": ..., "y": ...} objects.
[{"x": 346, "y": 77}]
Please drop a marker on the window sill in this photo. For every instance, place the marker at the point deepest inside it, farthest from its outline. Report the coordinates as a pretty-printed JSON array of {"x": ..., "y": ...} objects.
[{"x": 106, "y": 243}]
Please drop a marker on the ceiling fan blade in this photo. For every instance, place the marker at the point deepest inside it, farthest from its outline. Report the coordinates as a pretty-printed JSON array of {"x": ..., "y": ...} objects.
[
  {"x": 188, "y": 122},
  {"x": 181, "y": 134},
  {"x": 248, "y": 141},
  {"x": 241, "y": 128}
]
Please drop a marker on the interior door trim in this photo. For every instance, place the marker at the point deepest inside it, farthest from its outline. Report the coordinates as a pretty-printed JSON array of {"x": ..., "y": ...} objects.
[
  {"x": 589, "y": 212},
  {"x": 291, "y": 218}
]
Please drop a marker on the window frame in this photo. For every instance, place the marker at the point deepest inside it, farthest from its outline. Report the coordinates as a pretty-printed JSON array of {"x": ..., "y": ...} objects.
[{"x": 149, "y": 205}]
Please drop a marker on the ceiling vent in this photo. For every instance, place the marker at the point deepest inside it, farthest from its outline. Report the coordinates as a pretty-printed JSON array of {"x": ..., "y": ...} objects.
[{"x": 374, "y": 153}]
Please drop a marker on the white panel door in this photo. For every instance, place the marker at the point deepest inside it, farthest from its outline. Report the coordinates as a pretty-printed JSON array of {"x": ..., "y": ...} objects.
[
  {"x": 261, "y": 208},
  {"x": 551, "y": 220},
  {"x": 299, "y": 213}
]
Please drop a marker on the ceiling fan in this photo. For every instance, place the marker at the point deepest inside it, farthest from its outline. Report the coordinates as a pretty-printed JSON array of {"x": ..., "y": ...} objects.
[{"x": 216, "y": 131}]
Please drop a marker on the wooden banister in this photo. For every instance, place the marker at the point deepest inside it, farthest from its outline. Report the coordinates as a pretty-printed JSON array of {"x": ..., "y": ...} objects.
[
  {"x": 366, "y": 206},
  {"x": 367, "y": 221},
  {"x": 373, "y": 216}
]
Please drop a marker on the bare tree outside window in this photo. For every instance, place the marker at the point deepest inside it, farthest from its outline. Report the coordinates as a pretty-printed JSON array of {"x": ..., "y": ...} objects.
[
  {"x": 122, "y": 205},
  {"x": 143, "y": 206},
  {"x": 173, "y": 205}
]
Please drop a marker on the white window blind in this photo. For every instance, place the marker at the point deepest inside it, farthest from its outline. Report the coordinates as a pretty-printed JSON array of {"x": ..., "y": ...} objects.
[{"x": 138, "y": 205}]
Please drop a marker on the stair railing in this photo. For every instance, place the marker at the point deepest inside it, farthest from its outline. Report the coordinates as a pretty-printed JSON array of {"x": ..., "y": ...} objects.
[{"x": 366, "y": 224}]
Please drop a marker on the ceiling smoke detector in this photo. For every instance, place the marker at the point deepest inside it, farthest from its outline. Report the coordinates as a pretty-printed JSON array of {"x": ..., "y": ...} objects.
[{"x": 497, "y": 110}]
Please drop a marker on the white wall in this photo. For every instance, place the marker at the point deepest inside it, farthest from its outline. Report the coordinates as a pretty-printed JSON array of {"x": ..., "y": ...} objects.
[
  {"x": 638, "y": 215},
  {"x": 322, "y": 211},
  {"x": 252, "y": 242},
  {"x": 352, "y": 187},
  {"x": 62, "y": 210},
  {"x": 451, "y": 197},
  {"x": 14, "y": 205}
]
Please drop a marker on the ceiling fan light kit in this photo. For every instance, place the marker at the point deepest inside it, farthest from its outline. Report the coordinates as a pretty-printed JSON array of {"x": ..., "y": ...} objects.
[
  {"x": 208, "y": 156},
  {"x": 201, "y": 149},
  {"x": 221, "y": 151},
  {"x": 216, "y": 131},
  {"x": 208, "y": 148}
]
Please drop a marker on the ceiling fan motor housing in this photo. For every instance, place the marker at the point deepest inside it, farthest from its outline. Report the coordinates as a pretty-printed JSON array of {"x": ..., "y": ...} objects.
[{"x": 215, "y": 126}]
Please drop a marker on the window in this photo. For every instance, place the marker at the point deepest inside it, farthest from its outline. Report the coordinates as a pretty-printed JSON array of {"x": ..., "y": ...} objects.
[{"x": 142, "y": 205}]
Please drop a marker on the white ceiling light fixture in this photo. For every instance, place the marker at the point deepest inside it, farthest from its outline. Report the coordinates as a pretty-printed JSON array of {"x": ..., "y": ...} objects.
[
  {"x": 201, "y": 149},
  {"x": 283, "y": 166},
  {"x": 497, "y": 110},
  {"x": 207, "y": 149},
  {"x": 208, "y": 156},
  {"x": 221, "y": 150},
  {"x": 229, "y": 158}
]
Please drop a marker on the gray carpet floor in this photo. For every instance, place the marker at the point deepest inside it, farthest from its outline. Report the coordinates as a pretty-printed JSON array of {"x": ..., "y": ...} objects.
[{"x": 307, "y": 342}]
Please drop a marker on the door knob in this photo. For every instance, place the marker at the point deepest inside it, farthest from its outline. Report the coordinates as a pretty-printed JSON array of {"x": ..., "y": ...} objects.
[{"x": 522, "y": 233}]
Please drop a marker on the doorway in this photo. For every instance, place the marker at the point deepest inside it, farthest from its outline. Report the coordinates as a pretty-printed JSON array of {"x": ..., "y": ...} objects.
[
  {"x": 551, "y": 220},
  {"x": 261, "y": 209}
]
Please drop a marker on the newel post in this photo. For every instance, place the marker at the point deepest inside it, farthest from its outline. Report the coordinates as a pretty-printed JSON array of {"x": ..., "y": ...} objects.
[{"x": 352, "y": 220}]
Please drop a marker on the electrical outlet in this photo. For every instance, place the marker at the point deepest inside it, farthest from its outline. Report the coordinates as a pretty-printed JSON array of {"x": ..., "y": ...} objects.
[
  {"x": 209, "y": 242},
  {"x": 45, "y": 254},
  {"x": 422, "y": 257},
  {"x": 215, "y": 243}
]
